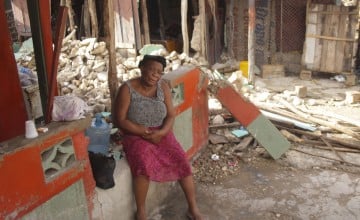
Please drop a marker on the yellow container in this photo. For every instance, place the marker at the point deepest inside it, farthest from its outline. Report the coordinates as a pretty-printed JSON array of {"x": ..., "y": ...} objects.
[{"x": 244, "y": 67}]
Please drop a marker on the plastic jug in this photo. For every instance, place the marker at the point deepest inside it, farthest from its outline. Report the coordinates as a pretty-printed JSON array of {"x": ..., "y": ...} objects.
[
  {"x": 244, "y": 67},
  {"x": 99, "y": 134}
]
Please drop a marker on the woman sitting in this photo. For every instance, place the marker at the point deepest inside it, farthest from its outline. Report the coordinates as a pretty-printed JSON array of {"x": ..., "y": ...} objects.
[{"x": 144, "y": 111}]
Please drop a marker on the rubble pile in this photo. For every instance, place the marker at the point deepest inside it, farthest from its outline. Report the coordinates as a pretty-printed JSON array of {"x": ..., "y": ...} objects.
[{"x": 83, "y": 70}]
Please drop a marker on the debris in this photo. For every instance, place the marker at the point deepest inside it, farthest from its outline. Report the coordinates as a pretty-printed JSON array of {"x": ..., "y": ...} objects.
[
  {"x": 42, "y": 129},
  {"x": 305, "y": 75},
  {"x": 240, "y": 132},
  {"x": 301, "y": 91},
  {"x": 215, "y": 157},
  {"x": 218, "y": 120},
  {"x": 271, "y": 71},
  {"x": 352, "y": 97},
  {"x": 217, "y": 139}
]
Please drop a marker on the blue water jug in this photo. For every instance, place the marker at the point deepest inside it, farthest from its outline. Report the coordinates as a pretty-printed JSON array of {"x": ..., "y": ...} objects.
[{"x": 99, "y": 134}]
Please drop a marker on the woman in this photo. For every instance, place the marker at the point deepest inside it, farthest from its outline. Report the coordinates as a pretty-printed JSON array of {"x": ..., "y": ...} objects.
[{"x": 144, "y": 111}]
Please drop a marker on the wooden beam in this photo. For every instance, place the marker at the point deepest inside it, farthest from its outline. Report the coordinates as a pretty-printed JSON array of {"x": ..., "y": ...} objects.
[
  {"x": 42, "y": 63},
  {"x": 59, "y": 35},
  {"x": 184, "y": 27},
  {"x": 145, "y": 21},
  {"x": 110, "y": 44},
  {"x": 161, "y": 21},
  {"x": 202, "y": 14},
  {"x": 251, "y": 41},
  {"x": 93, "y": 18}
]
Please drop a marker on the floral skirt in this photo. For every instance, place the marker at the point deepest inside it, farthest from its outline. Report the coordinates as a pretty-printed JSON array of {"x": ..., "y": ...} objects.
[{"x": 165, "y": 161}]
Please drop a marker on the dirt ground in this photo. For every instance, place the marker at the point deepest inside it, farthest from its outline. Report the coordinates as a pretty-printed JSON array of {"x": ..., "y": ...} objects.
[{"x": 296, "y": 186}]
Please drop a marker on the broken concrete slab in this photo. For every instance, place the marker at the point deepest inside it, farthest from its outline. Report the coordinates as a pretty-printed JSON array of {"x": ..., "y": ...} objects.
[{"x": 250, "y": 117}]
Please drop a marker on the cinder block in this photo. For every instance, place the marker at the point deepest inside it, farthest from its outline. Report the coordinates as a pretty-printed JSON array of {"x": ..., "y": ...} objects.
[
  {"x": 305, "y": 74},
  {"x": 301, "y": 91},
  {"x": 352, "y": 97},
  {"x": 350, "y": 80},
  {"x": 272, "y": 71}
]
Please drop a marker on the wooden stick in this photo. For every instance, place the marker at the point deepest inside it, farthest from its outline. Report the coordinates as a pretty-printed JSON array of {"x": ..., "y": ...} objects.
[
  {"x": 333, "y": 149},
  {"x": 328, "y": 158},
  {"x": 233, "y": 124}
]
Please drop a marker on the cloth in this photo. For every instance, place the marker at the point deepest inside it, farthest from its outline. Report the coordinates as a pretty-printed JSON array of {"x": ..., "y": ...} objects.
[
  {"x": 147, "y": 111},
  {"x": 165, "y": 161}
]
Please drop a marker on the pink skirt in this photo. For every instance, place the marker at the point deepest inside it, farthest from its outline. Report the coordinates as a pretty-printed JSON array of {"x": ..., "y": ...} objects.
[{"x": 165, "y": 161}]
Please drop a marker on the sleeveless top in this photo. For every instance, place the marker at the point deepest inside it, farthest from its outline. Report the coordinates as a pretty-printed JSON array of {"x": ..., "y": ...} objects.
[{"x": 147, "y": 111}]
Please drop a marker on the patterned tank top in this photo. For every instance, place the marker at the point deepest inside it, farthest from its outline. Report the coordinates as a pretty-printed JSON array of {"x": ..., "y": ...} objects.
[{"x": 147, "y": 111}]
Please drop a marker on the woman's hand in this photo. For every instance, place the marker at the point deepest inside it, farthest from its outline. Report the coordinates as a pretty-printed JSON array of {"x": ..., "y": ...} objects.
[{"x": 154, "y": 136}]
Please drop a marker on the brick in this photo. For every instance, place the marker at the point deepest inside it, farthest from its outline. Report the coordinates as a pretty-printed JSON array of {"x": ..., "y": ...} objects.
[
  {"x": 352, "y": 97},
  {"x": 305, "y": 75},
  {"x": 301, "y": 91},
  {"x": 272, "y": 71}
]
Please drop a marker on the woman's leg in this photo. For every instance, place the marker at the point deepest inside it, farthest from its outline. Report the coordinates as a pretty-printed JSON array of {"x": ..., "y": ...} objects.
[
  {"x": 141, "y": 186},
  {"x": 187, "y": 184}
]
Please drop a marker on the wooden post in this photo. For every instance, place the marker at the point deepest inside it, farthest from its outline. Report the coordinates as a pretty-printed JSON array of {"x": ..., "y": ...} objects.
[
  {"x": 161, "y": 20},
  {"x": 145, "y": 21},
  {"x": 86, "y": 19},
  {"x": 71, "y": 16},
  {"x": 251, "y": 39},
  {"x": 59, "y": 35},
  {"x": 39, "y": 50},
  {"x": 110, "y": 44},
  {"x": 93, "y": 17},
  {"x": 184, "y": 27},
  {"x": 229, "y": 27},
  {"x": 202, "y": 14}
]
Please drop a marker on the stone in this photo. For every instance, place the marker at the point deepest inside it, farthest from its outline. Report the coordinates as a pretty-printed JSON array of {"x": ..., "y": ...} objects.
[
  {"x": 352, "y": 97},
  {"x": 301, "y": 91},
  {"x": 350, "y": 80},
  {"x": 305, "y": 75},
  {"x": 271, "y": 71}
]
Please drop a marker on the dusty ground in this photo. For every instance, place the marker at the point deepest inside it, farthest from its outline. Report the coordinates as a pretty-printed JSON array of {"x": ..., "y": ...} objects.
[{"x": 297, "y": 186}]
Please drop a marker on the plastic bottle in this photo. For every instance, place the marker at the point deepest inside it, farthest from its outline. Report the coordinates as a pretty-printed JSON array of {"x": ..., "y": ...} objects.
[{"x": 99, "y": 134}]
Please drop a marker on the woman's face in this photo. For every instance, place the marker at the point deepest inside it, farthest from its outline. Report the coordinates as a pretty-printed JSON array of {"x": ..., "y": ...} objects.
[{"x": 151, "y": 72}]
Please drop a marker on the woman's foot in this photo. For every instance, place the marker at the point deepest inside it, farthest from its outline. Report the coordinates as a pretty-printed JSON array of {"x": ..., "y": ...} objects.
[
  {"x": 194, "y": 215},
  {"x": 140, "y": 215}
]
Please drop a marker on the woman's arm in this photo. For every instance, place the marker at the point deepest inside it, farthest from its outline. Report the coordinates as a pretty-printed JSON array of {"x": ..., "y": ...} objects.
[
  {"x": 170, "y": 117},
  {"x": 122, "y": 103}
]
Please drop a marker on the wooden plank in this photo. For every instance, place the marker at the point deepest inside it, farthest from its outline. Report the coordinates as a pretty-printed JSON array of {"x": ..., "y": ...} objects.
[
  {"x": 325, "y": 23},
  {"x": 333, "y": 32},
  {"x": 136, "y": 23},
  {"x": 145, "y": 21},
  {"x": 310, "y": 43},
  {"x": 318, "y": 42},
  {"x": 330, "y": 38},
  {"x": 355, "y": 29},
  {"x": 332, "y": 13},
  {"x": 340, "y": 44}
]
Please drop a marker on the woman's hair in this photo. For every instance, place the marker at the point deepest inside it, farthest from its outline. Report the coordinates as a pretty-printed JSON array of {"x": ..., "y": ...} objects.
[{"x": 147, "y": 58}]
